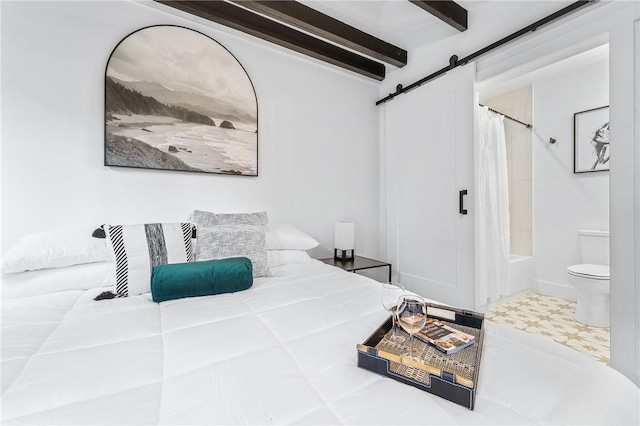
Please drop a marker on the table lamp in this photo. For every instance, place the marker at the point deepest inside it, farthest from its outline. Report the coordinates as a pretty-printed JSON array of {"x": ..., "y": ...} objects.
[{"x": 344, "y": 241}]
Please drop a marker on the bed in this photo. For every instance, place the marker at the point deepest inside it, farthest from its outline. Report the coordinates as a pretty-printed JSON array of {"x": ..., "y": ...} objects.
[{"x": 280, "y": 352}]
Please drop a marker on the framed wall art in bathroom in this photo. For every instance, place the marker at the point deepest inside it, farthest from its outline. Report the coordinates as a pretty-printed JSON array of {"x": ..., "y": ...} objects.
[{"x": 591, "y": 140}]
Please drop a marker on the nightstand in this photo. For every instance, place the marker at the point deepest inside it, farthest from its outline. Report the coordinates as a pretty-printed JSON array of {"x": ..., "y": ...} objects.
[{"x": 357, "y": 264}]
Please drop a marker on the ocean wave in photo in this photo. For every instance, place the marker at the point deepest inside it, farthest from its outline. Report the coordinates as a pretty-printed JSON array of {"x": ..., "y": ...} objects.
[{"x": 207, "y": 148}]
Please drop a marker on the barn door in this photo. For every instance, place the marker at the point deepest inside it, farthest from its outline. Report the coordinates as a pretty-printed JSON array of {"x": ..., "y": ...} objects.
[{"x": 429, "y": 134}]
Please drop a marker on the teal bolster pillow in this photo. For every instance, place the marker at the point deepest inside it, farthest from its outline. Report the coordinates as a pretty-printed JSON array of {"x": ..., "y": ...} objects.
[{"x": 177, "y": 280}]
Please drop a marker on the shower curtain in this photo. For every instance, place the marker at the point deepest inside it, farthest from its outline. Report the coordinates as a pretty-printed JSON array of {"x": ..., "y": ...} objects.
[{"x": 492, "y": 220}]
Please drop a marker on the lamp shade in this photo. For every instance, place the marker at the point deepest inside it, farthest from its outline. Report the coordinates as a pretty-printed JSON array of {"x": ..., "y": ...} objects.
[{"x": 344, "y": 236}]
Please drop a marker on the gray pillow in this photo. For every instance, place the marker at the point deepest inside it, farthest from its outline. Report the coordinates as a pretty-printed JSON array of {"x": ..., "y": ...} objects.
[
  {"x": 205, "y": 219},
  {"x": 223, "y": 241}
]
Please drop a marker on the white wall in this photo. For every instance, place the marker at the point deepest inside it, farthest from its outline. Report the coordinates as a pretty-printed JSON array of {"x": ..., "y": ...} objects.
[
  {"x": 624, "y": 95},
  {"x": 318, "y": 131},
  {"x": 565, "y": 202}
]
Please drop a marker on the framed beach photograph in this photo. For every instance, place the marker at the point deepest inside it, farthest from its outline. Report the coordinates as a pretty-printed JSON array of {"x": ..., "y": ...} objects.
[
  {"x": 175, "y": 99},
  {"x": 591, "y": 140}
]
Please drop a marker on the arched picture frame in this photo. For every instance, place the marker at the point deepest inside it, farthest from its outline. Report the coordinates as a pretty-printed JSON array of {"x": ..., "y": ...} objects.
[{"x": 175, "y": 99}]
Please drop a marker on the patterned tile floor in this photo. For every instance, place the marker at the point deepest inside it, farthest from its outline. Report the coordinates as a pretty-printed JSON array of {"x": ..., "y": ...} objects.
[{"x": 552, "y": 318}]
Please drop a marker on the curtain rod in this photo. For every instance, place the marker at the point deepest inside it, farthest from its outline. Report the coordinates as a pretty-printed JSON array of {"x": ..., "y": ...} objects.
[
  {"x": 527, "y": 125},
  {"x": 454, "y": 62}
]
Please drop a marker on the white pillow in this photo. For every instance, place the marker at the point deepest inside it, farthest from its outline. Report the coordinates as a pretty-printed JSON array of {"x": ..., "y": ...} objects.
[
  {"x": 76, "y": 277},
  {"x": 219, "y": 242},
  {"x": 287, "y": 257},
  {"x": 137, "y": 249},
  {"x": 55, "y": 249},
  {"x": 287, "y": 237}
]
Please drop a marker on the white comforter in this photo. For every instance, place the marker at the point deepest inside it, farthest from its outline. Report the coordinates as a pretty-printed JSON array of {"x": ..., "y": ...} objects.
[{"x": 282, "y": 352}]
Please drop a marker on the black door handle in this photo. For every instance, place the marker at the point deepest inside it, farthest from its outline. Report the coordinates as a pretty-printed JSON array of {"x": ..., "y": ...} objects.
[{"x": 461, "y": 201}]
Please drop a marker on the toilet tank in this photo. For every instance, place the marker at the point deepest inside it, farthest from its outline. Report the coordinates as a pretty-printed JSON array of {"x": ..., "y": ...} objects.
[{"x": 594, "y": 246}]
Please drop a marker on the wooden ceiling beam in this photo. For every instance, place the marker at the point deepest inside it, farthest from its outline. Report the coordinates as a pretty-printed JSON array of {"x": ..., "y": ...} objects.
[
  {"x": 314, "y": 22},
  {"x": 446, "y": 10},
  {"x": 251, "y": 23}
]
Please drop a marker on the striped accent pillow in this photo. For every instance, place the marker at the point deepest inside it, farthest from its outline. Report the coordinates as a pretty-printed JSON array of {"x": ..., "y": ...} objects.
[{"x": 138, "y": 248}]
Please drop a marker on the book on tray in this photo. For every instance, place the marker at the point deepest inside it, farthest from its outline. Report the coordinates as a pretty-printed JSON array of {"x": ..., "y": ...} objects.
[{"x": 443, "y": 337}]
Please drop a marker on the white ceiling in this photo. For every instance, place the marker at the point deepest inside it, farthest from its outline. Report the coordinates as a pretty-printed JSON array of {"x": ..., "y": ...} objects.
[
  {"x": 398, "y": 22},
  {"x": 407, "y": 26}
]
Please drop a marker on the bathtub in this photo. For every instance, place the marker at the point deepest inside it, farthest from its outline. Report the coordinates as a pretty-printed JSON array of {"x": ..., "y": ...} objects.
[{"x": 520, "y": 274}]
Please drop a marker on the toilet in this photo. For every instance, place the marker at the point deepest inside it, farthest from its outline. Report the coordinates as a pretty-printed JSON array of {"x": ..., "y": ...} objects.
[{"x": 591, "y": 278}]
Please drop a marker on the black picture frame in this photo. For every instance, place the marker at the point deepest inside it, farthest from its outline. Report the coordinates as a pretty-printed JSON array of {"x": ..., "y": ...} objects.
[
  {"x": 176, "y": 99},
  {"x": 591, "y": 140}
]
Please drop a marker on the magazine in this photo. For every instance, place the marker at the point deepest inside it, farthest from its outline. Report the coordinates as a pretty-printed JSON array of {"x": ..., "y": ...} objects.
[{"x": 443, "y": 337}]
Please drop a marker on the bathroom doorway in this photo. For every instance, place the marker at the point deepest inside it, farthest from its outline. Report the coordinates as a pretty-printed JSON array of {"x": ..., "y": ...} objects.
[{"x": 548, "y": 202}]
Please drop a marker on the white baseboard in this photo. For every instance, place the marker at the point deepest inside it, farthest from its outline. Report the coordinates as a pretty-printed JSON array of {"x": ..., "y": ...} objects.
[{"x": 558, "y": 290}]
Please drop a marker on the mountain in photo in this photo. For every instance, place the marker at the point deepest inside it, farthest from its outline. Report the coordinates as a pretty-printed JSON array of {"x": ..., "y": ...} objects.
[
  {"x": 121, "y": 100},
  {"x": 202, "y": 104}
]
